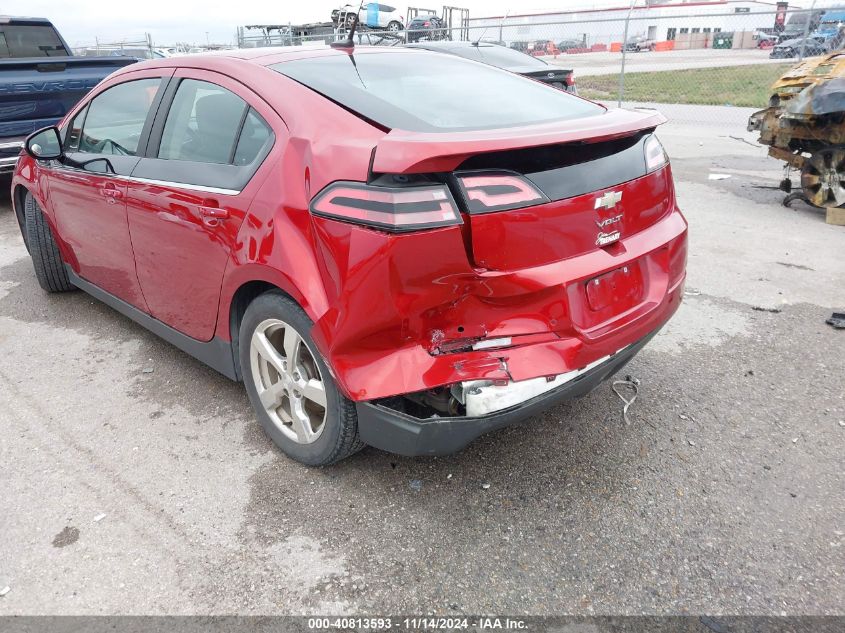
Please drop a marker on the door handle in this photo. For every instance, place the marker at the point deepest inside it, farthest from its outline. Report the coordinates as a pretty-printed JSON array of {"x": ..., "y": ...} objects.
[
  {"x": 214, "y": 212},
  {"x": 211, "y": 216},
  {"x": 111, "y": 194}
]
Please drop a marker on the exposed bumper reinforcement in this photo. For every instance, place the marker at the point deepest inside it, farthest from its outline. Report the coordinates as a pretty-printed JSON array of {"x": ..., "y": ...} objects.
[
  {"x": 397, "y": 432},
  {"x": 7, "y": 165},
  {"x": 9, "y": 150}
]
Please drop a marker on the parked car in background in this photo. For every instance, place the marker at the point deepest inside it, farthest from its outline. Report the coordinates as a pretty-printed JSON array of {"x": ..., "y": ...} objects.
[
  {"x": 507, "y": 59},
  {"x": 566, "y": 45},
  {"x": 399, "y": 248},
  {"x": 542, "y": 47},
  {"x": 373, "y": 15},
  {"x": 799, "y": 23},
  {"x": 40, "y": 80},
  {"x": 765, "y": 40},
  {"x": 831, "y": 30},
  {"x": 427, "y": 27},
  {"x": 520, "y": 45},
  {"x": 639, "y": 44},
  {"x": 810, "y": 47}
]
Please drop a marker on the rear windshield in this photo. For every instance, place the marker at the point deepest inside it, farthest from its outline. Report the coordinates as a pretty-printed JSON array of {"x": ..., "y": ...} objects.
[
  {"x": 29, "y": 40},
  {"x": 432, "y": 92}
]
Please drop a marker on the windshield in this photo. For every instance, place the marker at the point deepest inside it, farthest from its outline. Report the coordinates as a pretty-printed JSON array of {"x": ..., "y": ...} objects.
[
  {"x": 431, "y": 92},
  {"x": 30, "y": 40}
]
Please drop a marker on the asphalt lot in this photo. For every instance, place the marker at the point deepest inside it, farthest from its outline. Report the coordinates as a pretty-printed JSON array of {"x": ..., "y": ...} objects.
[
  {"x": 135, "y": 480},
  {"x": 610, "y": 63}
]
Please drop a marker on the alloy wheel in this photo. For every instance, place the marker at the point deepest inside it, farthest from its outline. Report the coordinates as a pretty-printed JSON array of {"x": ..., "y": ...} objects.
[
  {"x": 823, "y": 178},
  {"x": 288, "y": 381}
]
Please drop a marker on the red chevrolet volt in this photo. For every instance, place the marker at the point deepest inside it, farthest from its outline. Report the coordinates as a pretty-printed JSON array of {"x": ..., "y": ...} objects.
[{"x": 390, "y": 247}]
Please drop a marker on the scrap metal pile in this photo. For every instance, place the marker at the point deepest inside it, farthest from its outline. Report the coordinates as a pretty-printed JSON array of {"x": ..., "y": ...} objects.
[{"x": 804, "y": 125}]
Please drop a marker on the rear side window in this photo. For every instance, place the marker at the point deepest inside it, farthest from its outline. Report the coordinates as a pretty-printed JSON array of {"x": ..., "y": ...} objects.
[
  {"x": 211, "y": 137},
  {"x": 422, "y": 91},
  {"x": 203, "y": 123},
  {"x": 254, "y": 137},
  {"x": 115, "y": 118}
]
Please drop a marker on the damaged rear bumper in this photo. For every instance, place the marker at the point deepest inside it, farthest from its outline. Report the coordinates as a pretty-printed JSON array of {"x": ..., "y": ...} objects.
[{"x": 397, "y": 432}]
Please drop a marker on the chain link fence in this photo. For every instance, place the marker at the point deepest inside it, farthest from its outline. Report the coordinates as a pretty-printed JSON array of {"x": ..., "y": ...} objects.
[
  {"x": 140, "y": 48},
  {"x": 693, "y": 60}
]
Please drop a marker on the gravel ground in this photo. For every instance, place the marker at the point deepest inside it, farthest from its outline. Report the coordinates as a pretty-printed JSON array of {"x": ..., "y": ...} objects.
[{"x": 136, "y": 481}]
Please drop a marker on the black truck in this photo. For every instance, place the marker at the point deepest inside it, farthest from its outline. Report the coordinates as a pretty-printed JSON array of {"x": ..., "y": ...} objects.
[{"x": 40, "y": 80}]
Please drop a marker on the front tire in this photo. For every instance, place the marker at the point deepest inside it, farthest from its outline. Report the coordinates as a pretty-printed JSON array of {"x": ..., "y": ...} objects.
[
  {"x": 290, "y": 386},
  {"x": 394, "y": 26},
  {"x": 46, "y": 258}
]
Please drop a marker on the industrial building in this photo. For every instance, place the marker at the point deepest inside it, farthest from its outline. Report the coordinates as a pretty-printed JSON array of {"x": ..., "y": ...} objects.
[{"x": 659, "y": 21}]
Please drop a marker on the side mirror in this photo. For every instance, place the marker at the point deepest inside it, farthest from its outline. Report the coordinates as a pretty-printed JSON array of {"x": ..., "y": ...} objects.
[{"x": 45, "y": 144}]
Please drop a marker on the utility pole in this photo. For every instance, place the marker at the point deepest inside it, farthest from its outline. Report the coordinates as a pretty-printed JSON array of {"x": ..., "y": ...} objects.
[
  {"x": 624, "y": 52},
  {"x": 806, "y": 31}
]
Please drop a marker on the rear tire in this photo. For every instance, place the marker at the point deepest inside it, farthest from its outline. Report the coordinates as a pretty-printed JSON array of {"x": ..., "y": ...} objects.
[
  {"x": 823, "y": 177},
  {"x": 46, "y": 258},
  {"x": 297, "y": 403}
]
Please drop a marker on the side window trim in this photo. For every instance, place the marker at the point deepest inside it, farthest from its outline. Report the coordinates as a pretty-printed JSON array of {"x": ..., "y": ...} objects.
[
  {"x": 237, "y": 141},
  {"x": 160, "y": 118},
  {"x": 84, "y": 114},
  {"x": 152, "y": 115}
]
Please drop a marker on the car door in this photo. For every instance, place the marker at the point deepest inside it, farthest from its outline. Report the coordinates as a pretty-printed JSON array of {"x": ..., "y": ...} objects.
[
  {"x": 88, "y": 188},
  {"x": 187, "y": 198}
]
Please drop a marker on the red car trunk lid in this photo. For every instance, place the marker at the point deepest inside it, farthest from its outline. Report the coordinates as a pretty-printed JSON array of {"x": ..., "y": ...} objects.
[{"x": 521, "y": 238}]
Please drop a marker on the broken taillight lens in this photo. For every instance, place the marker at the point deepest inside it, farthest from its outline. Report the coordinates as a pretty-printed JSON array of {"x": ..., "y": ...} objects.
[
  {"x": 391, "y": 208},
  {"x": 498, "y": 191}
]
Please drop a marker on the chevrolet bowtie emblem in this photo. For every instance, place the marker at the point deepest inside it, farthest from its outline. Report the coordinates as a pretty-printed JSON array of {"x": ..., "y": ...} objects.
[{"x": 609, "y": 200}]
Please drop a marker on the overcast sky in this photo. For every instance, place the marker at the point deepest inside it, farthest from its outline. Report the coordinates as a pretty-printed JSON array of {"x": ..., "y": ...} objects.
[{"x": 170, "y": 21}]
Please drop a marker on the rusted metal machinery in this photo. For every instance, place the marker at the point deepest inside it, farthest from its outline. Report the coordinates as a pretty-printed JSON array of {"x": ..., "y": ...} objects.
[{"x": 804, "y": 125}]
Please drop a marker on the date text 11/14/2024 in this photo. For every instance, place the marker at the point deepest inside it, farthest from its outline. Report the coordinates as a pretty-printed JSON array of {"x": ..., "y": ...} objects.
[{"x": 417, "y": 623}]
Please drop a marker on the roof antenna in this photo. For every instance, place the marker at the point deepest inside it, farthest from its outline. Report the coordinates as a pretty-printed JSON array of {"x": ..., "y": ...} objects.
[
  {"x": 484, "y": 32},
  {"x": 349, "y": 42}
]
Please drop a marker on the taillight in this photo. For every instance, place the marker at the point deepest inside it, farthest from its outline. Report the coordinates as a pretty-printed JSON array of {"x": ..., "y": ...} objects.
[
  {"x": 394, "y": 209},
  {"x": 498, "y": 191},
  {"x": 655, "y": 155},
  {"x": 426, "y": 23}
]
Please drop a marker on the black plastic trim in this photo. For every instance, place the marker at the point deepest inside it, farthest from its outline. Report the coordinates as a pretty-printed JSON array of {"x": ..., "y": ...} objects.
[
  {"x": 215, "y": 353},
  {"x": 146, "y": 133},
  {"x": 233, "y": 177},
  {"x": 157, "y": 127},
  {"x": 400, "y": 433},
  {"x": 592, "y": 175}
]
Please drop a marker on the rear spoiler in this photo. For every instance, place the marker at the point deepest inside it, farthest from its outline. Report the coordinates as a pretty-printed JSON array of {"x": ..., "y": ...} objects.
[{"x": 401, "y": 151}]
